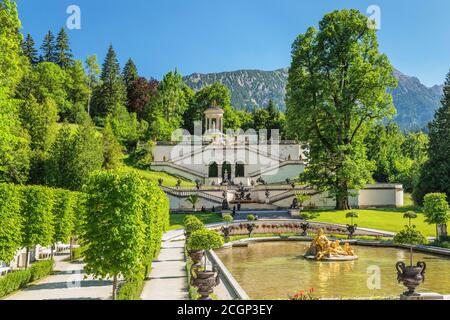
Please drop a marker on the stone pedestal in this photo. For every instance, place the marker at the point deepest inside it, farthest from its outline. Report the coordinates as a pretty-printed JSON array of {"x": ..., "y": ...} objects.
[
  {"x": 423, "y": 296},
  {"x": 295, "y": 213}
]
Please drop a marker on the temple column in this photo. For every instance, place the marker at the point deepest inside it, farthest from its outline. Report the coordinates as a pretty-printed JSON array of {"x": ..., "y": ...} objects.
[
  {"x": 233, "y": 171},
  {"x": 219, "y": 171}
]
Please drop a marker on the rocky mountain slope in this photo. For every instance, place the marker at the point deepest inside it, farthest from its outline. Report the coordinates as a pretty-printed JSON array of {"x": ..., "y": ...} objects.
[{"x": 415, "y": 102}]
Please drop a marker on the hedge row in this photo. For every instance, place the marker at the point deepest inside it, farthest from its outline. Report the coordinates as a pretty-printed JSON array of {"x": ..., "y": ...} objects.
[
  {"x": 18, "y": 279},
  {"x": 36, "y": 215},
  {"x": 126, "y": 218},
  {"x": 157, "y": 222},
  {"x": 130, "y": 290}
]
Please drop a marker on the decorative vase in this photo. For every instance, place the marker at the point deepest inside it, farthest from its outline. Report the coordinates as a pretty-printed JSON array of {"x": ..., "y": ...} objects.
[
  {"x": 205, "y": 281},
  {"x": 411, "y": 276}
]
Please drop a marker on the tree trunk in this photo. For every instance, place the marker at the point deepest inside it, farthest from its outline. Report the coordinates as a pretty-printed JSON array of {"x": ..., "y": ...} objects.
[
  {"x": 342, "y": 203},
  {"x": 27, "y": 252},
  {"x": 71, "y": 248},
  {"x": 114, "y": 288}
]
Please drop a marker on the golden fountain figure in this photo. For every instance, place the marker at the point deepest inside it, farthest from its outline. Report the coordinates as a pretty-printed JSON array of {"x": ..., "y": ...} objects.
[{"x": 323, "y": 249}]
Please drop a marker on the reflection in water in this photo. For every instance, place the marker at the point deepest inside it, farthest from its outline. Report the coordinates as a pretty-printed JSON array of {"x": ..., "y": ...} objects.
[{"x": 275, "y": 270}]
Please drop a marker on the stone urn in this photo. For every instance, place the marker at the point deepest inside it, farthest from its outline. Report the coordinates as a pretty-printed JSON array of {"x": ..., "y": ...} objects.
[
  {"x": 196, "y": 256},
  {"x": 305, "y": 227},
  {"x": 250, "y": 228},
  {"x": 205, "y": 281},
  {"x": 226, "y": 231},
  {"x": 411, "y": 276}
]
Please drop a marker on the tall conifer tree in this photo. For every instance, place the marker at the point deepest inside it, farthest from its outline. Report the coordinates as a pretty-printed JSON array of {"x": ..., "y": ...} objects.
[
  {"x": 62, "y": 50},
  {"x": 48, "y": 48},
  {"x": 29, "y": 50},
  {"x": 112, "y": 92},
  {"x": 435, "y": 174},
  {"x": 130, "y": 72}
]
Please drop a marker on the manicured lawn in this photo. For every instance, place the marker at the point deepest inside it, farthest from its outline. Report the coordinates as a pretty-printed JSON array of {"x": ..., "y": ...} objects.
[
  {"x": 176, "y": 219},
  {"x": 154, "y": 176},
  {"x": 378, "y": 219}
]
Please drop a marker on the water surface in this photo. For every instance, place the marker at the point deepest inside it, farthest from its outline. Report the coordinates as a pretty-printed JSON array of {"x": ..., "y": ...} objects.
[{"x": 275, "y": 270}]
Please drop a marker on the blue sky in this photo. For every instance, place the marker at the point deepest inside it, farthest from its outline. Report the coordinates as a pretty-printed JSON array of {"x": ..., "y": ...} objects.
[{"x": 225, "y": 35}]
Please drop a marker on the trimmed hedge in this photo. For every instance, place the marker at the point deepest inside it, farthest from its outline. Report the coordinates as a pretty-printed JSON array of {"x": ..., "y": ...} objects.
[
  {"x": 123, "y": 229},
  {"x": 18, "y": 279},
  {"x": 156, "y": 217},
  {"x": 10, "y": 221},
  {"x": 37, "y": 211},
  {"x": 64, "y": 215},
  {"x": 41, "y": 269},
  {"x": 37, "y": 215},
  {"x": 130, "y": 290},
  {"x": 77, "y": 253}
]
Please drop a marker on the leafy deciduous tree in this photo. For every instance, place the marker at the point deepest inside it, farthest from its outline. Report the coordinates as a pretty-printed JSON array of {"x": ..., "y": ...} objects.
[
  {"x": 36, "y": 210},
  {"x": 337, "y": 87},
  {"x": 115, "y": 226},
  {"x": 436, "y": 209},
  {"x": 112, "y": 150},
  {"x": 11, "y": 226}
]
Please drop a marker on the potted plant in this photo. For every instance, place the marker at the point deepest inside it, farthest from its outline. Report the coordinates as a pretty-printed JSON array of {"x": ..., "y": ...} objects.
[
  {"x": 192, "y": 224},
  {"x": 411, "y": 276},
  {"x": 305, "y": 226},
  {"x": 193, "y": 199},
  {"x": 351, "y": 228},
  {"x": 203, "y": 279},
  {"x": 250, "y": 226},
  {"x": 226, "y": 230}
]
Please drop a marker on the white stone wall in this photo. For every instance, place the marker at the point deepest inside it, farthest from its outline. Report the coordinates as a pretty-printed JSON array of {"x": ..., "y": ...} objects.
[{"x": 384, "y": 195}]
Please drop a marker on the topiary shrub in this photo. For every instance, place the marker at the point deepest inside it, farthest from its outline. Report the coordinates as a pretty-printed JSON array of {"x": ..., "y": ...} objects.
[
  {"x": 410, "y": 236},
  {"x": 193, "y": 224},
  {"x": 204, "y": 240}
]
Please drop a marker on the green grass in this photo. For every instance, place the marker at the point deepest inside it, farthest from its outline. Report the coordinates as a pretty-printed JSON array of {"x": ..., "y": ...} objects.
[
  {"x": 383, "y": 219},
  {"x": 154, "y": 176},
  {"x": 176, "y": 219}
]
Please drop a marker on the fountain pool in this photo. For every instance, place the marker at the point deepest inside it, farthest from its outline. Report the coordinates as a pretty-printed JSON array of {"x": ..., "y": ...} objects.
[{"x": 275, "y": 270}]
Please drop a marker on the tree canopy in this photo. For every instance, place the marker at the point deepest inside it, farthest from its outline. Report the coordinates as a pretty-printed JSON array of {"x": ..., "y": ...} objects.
[{"x": 337, "y": 87}]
